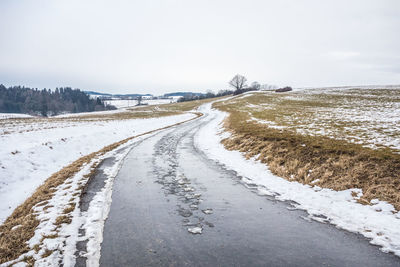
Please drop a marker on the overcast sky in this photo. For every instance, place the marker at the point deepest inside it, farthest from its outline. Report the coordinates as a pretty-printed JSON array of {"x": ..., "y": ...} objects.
[{"x": 161, "y": 46}]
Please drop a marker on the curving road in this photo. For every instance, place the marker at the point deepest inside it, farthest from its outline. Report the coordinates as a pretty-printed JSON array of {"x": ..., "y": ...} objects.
[{"x": 167, "y": 192}]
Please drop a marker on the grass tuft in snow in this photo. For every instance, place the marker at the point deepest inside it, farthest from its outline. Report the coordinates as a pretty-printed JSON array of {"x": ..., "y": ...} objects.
[
  {"x": 47, "y": 253},
  {"x": 63, "y": 219}
]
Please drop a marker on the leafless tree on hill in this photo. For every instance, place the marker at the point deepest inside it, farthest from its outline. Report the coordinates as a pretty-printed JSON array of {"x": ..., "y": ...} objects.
[{"x": 238, "y": 82}]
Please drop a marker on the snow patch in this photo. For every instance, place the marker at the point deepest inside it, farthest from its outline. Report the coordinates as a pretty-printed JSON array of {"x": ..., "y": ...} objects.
[{"x": 195, "y": 230}]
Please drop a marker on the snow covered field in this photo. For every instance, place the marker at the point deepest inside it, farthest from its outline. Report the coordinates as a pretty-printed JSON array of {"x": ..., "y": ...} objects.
[
  {"x": 4, "y": 116},
  {"x": 378, "y": 222},
  {"x": 368, "y": 115},
  {"x": 32, "y": 150},
  {"x": 119, "y": 103}
]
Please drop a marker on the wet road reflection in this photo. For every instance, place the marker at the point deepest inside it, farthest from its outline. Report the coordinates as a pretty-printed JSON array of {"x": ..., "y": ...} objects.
[{"x": 174, "y": 207}]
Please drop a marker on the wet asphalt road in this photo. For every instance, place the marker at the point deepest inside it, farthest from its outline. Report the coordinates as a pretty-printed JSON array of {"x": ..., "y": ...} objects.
[{"x": 166, "y": 186}]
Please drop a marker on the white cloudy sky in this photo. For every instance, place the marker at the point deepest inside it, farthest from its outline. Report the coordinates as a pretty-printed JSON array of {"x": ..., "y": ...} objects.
[{"x": 167, "y": 45}]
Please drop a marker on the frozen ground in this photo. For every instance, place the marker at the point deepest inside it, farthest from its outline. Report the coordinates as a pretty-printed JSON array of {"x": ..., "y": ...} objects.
[
  {"x": 33, "y": 149},
  {"x": 378, "y": 222},
  {"x": 368, "y": 115}
]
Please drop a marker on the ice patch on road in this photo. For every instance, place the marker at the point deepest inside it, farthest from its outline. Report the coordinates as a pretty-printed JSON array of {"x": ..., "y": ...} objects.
[
  {"x": 195, "y": 230},
  {"x": 207, "y": 211}
]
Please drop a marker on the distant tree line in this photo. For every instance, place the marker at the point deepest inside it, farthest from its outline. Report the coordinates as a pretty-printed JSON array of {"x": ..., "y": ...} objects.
[
  {"x": 46, "y": 102},
  {"x": 284, "y": 89},
  {"x": 238, "y": 83},
  {"x": 209, "y": 94}
]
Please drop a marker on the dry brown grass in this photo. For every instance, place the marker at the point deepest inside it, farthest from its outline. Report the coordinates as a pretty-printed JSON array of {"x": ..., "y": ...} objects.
[
  {"x": 351, "y": 115},
  {"x": 52, "y": 236},
  {"x": 13, "y": 243},
  {"x": 69, "y": 209},
  {"x": 47, "y": 253},
  {"x": 337, "y": 164},
  {"x": 63, "y": 219},
  {"x": 30, "y": 261}
]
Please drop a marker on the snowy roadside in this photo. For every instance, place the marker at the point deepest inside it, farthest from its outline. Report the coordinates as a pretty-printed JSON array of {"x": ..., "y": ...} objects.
[
  {"x": 379, "y": 222},
  {"x": 61, "y": 221},
  {"x": 28, "y": 158}
]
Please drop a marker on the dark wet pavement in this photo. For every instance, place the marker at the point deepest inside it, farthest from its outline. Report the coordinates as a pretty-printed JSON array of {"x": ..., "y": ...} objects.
[{"x": 167, "y": 187}]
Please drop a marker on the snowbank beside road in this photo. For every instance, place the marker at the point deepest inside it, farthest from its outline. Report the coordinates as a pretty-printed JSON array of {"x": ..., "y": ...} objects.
[
  {"x": 378, "y": 222},
  {"x": 28, "y": 158}
]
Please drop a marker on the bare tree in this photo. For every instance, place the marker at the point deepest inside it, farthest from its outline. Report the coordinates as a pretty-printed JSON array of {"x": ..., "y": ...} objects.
[
  {"x": 139, "y": 100},
  {"x": 268, "y": 87},
  {"x": 255, "y": 86},
  {"x": 238, "y": 82}
]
